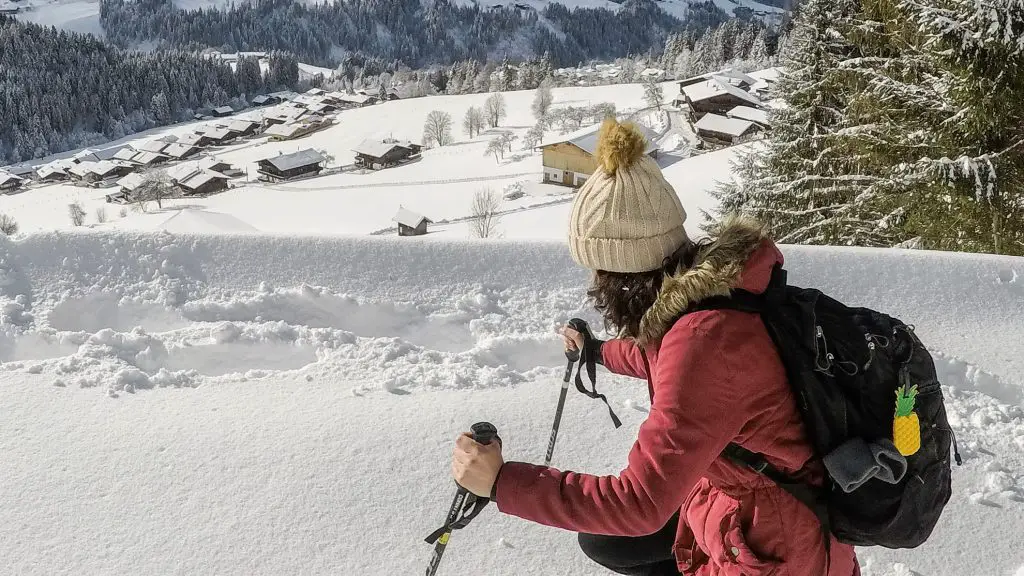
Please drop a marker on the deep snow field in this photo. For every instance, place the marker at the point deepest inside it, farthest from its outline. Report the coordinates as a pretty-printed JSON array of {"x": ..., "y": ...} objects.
[{"x": 218, "y": 404}]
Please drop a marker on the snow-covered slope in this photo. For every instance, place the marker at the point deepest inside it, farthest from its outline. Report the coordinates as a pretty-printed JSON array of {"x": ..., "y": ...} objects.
[
  {"x": 276, "y": 405},
  {"x": 441, "y": 185}
]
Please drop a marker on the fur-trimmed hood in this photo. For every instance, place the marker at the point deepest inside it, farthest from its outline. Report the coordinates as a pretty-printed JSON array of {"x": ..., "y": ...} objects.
[{"x": 737, "y": 257}]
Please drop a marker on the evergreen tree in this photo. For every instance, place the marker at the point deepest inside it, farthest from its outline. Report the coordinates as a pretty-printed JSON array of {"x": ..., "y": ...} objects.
[
  {"x": 803, "y": 183},
  {"x": 160, "y": 108}
]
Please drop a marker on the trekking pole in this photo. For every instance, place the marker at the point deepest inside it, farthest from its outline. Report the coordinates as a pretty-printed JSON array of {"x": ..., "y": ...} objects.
[
  {"x": 573, "y": 356},
  {"x": 483, "y": 433}
]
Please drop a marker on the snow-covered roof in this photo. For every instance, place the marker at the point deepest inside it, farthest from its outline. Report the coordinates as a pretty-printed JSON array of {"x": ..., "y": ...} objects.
[
  {"x": 7, "y": 177},
  {"x": 179, "y": 150},
  {"x": 356, "y": 98},
  {"x": 295, "y": 160},
  {"x": 155, "y": 146},
  {"x": 192, "y": 139},
  {"x": 224, "y": 110},
  {"x": 113, "y": 153},
  {"x": 211, "y": 163},
  {"x": 105, "y": 167},
  {"x": 51, "y": 169},
  {"x": 184, "y": 171},
  {"x": 201, "y": 178},
  {"x": 768, "y": 74},
  {"x": 22, "y": 170},
  {"x": 407, "y": 217},
  {"x": 723, "y": 125},
  {"x": 147, "y": 158},
  {"x": 131, "y": 181},
  {"x": 125, "y": 154},
  {"x": 315, "y": 92},
  {"x": 712, "y": 88},
  {"x": 748, "y": 113},
  {"x": 283, "y": 130},
  {"x": 586, "y": 139},
  {"x": 380, "y": 148},
  {"x": 242, "y": 125},
  {"x": 221, "y": 133}
]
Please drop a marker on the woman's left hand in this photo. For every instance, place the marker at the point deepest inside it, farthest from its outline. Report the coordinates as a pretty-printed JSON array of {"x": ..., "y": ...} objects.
[{"x": 475, "y": 466}]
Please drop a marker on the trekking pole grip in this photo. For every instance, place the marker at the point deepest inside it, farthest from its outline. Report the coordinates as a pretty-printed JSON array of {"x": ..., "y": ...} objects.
[
  {"x": 579, "y": 325},
  {"x": 484, "y": 432}
]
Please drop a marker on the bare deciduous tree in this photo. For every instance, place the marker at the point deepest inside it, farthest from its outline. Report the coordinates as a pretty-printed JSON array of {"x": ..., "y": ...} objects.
[
  {"x": 101, "y": 214},
  {"x": 494, "y": 107},
  {"x": 543, "y": 99},
  {"x": 155, "y": 187},
  {"x": 534, "y": 136},
  {"x": 8, "y": 226},
  {"x": 474, "y": 121},
  {"x": 76, "y": 213},
  {"x": 437, "y": 129},
  {"x": 484, "y": 210},
  {"x": 497, "y": 147}
]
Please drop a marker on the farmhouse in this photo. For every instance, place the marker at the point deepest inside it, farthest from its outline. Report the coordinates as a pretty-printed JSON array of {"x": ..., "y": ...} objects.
[
  {"x": 411, "y": 223},
  {"x": 222, "y": 111},
  {"x": 759, "y": 117},
  {"x": 716, "y": 97},
  {"x": 203, "y": 182},
  {"x": 244, "y": 127},
  {"x": 99, "y": 171},
  {"x": 377, "y": 154},
  {"x": 571, "y": 160},
  {"x": 53, "y": 172},
  {"x": 220, "y": 135},
  {"x": 721, "y": 131},
  {"x": 194, "y": 139},
  {"x": 265, "y": 100},
  {"x": 154, "y": 146},
  {"x": 289, "y": 166},
  {"x": 180, "y": 151},
  {"x": 9, "y": 182},
  {"x": 130, "y": 183},
  {"x": 308, "y": 126}
]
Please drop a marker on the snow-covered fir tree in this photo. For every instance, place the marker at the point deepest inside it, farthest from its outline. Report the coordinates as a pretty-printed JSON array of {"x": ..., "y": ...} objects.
[{"x": 803, "y": 182}]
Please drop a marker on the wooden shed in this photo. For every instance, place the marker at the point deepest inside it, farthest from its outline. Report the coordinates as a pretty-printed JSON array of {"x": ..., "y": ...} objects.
[
  {"x": 377, "y": 154},
  {"x": 411, "y": 223},
  {"x": 571, "y": 160},
  {"x": 289, "y": 166}
]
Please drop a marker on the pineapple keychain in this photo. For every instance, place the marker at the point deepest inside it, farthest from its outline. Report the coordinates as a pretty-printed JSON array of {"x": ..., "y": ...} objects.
[{"x": 906, "y": 428}]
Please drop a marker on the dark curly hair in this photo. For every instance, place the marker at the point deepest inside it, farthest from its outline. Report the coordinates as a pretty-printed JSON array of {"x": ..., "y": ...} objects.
[{"x": 624, "y": 298}]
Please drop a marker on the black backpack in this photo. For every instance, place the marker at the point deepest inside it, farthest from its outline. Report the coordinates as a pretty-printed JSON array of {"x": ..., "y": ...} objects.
[{"x": 845, "y": 366}]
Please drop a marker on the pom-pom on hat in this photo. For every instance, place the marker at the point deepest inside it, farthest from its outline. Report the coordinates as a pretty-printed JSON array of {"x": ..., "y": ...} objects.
[{"x": 626, "y": 217}]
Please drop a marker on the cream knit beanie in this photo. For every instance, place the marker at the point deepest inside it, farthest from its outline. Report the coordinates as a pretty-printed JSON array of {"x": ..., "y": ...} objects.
[{"x": 626, "y": 217}]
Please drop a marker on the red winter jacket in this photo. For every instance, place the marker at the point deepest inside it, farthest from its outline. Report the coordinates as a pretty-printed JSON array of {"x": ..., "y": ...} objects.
[{"x": 715, "y": 378}]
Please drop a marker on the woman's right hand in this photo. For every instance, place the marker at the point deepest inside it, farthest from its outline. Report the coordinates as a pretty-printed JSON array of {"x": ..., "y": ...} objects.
[{"x": 573, "y": 339}]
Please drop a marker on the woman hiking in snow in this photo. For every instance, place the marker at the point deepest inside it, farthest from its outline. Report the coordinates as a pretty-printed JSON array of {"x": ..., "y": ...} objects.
[{"x": 714, "y": 378}]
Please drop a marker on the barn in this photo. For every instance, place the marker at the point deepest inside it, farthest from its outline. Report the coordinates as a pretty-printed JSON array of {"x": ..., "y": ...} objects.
[
  {"x": 571, "y": 160},
  {"x": 411, "y": 223},
  {"x": 289, "y": 166},
  {"x": 377, "y": 154},
  {"x": 203, "y": 182}
]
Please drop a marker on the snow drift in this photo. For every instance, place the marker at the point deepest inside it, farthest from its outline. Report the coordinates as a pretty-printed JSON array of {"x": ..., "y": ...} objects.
[{"x": 287, "y": 405}]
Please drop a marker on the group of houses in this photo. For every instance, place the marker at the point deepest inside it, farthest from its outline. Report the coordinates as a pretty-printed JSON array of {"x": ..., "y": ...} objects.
[{"x": 726, "y": 107}]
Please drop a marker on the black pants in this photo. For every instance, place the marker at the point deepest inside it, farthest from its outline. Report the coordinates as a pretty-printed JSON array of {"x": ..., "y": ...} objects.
[{"x": 635, "y": 556}]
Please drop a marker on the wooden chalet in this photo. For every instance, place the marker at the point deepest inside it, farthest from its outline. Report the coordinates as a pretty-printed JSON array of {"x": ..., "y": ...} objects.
[
  {"x": 305, "y": 127},
  {"x": 737, "y": 78},
  {"x": 221, "y": 135},
  {"x": 572, "y": 159},
  {"x": 244, "y": 128},
  {"x": 23, "y": 171},
  {"x": 715, "y": 130},
  {"x": 181, "y": 151},
  {"x": 154, "y": 146},
  {"x": 9, "y": 182},
  {"x": 377, "y": 154},
  {"x": 222, "y": 111},
  {"x": 195, "y": 139},
  {"x": 202, "y": 183},
  {"x": 148, "y": 158},
  {"x": 716, "y": 97},
  {"x": 290, "y": 166},
  {"x": 125, "y": 154},
  {"x": 130, "y": 183},
  {"x": 53, "y": 172},
  {"x": 106, "y": 170},
  {"x": 411, "y": 223}
]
